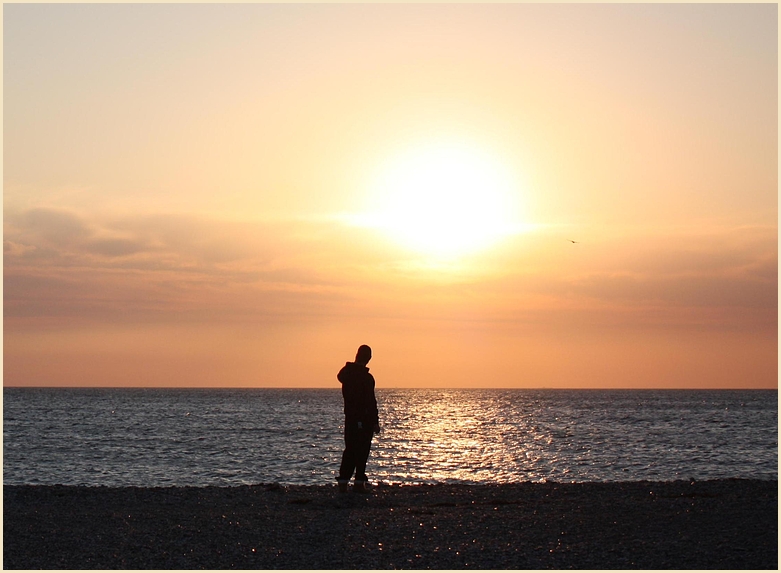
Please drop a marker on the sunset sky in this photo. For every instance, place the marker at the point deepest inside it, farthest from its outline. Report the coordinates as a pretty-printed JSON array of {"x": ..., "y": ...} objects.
[{"x": 241, "y": 195}]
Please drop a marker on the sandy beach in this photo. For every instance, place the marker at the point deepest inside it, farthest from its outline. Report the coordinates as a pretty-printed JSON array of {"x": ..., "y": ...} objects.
[{"x": 724, "y": 524}]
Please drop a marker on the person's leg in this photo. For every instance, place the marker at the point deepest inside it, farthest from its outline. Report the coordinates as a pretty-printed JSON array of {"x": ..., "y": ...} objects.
[
  {"x": 363, "y": 445},
  {"x": 348, "y": 458}
]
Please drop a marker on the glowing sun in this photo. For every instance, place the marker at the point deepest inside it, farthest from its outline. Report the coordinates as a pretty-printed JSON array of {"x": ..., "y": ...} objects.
[{"x": 445, "y": 199}]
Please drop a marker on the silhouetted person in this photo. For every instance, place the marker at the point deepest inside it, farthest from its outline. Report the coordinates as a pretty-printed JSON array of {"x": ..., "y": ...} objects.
[{"x": 361, "y": 419}]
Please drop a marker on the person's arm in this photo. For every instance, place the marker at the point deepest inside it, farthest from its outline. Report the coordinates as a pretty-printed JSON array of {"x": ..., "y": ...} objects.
[{"x": 375, "y": 411}]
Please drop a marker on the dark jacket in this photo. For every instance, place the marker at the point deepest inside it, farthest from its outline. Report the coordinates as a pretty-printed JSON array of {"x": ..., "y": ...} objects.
[{"x": 360, "y": 405}]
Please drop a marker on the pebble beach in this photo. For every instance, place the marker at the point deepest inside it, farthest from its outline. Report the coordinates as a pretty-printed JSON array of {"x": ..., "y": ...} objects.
[{"x": 719, "y": 524}]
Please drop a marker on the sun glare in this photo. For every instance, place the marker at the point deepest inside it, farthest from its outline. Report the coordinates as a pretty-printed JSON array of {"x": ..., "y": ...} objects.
[{"x": 445, "y": 200}]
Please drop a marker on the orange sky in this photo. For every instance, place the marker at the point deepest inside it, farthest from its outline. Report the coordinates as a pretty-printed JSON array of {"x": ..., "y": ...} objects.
[{"x": 240, "y": 195}]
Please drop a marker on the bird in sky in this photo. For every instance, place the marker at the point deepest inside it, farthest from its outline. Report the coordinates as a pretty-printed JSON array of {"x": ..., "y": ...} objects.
[{"x": 571, "y": 241}]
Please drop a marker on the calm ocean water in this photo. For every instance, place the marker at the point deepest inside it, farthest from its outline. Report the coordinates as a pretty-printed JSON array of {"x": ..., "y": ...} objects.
[{"x": 164, "y": 437}]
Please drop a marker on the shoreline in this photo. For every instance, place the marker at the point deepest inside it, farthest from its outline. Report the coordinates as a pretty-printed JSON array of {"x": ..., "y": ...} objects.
[{"x": 724, "y": 524}]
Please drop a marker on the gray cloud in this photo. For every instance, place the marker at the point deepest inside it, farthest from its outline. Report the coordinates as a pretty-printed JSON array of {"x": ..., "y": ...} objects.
[
  {"x": 114, "y": 247},
  {"x": 766, "y": 269},
  {"x": 161, "y": 267},
  {"x": 726, "y": 279},
  {"x": 173, "y": 240},
  {"x": 54, "y": 225},
  {"x": 698, "y": 290},
  {"x": 16, "y": 249},
  {"x": 78, "y": 295},
  {"x": 180, "y": 266}
]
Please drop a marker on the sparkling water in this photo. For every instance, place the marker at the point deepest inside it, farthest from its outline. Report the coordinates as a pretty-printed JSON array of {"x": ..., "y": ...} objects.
[{"x": 167, "y": 437}]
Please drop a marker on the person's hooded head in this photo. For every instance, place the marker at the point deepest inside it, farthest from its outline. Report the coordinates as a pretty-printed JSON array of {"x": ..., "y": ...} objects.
[{"x": 363, "y": 355}]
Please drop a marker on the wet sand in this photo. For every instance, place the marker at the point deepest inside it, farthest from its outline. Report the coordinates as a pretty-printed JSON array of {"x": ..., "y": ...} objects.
[{"x": 724, "y": 524}]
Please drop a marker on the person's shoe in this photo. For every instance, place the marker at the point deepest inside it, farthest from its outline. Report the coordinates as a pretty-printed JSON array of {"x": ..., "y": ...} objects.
[
  {"x": 342, "y": 485},
  {"x": 360, "y": 487}
]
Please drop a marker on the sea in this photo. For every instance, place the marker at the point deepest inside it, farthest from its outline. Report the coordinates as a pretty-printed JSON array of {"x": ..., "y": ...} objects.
[{"x": 231, "y": 437}]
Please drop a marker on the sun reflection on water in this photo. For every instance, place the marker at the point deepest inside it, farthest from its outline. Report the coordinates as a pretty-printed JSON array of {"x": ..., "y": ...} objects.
[{"x": 451, "y": 437}]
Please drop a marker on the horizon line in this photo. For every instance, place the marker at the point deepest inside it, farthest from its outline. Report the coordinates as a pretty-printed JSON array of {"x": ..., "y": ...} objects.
[{"x": 377, "y": 388}]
